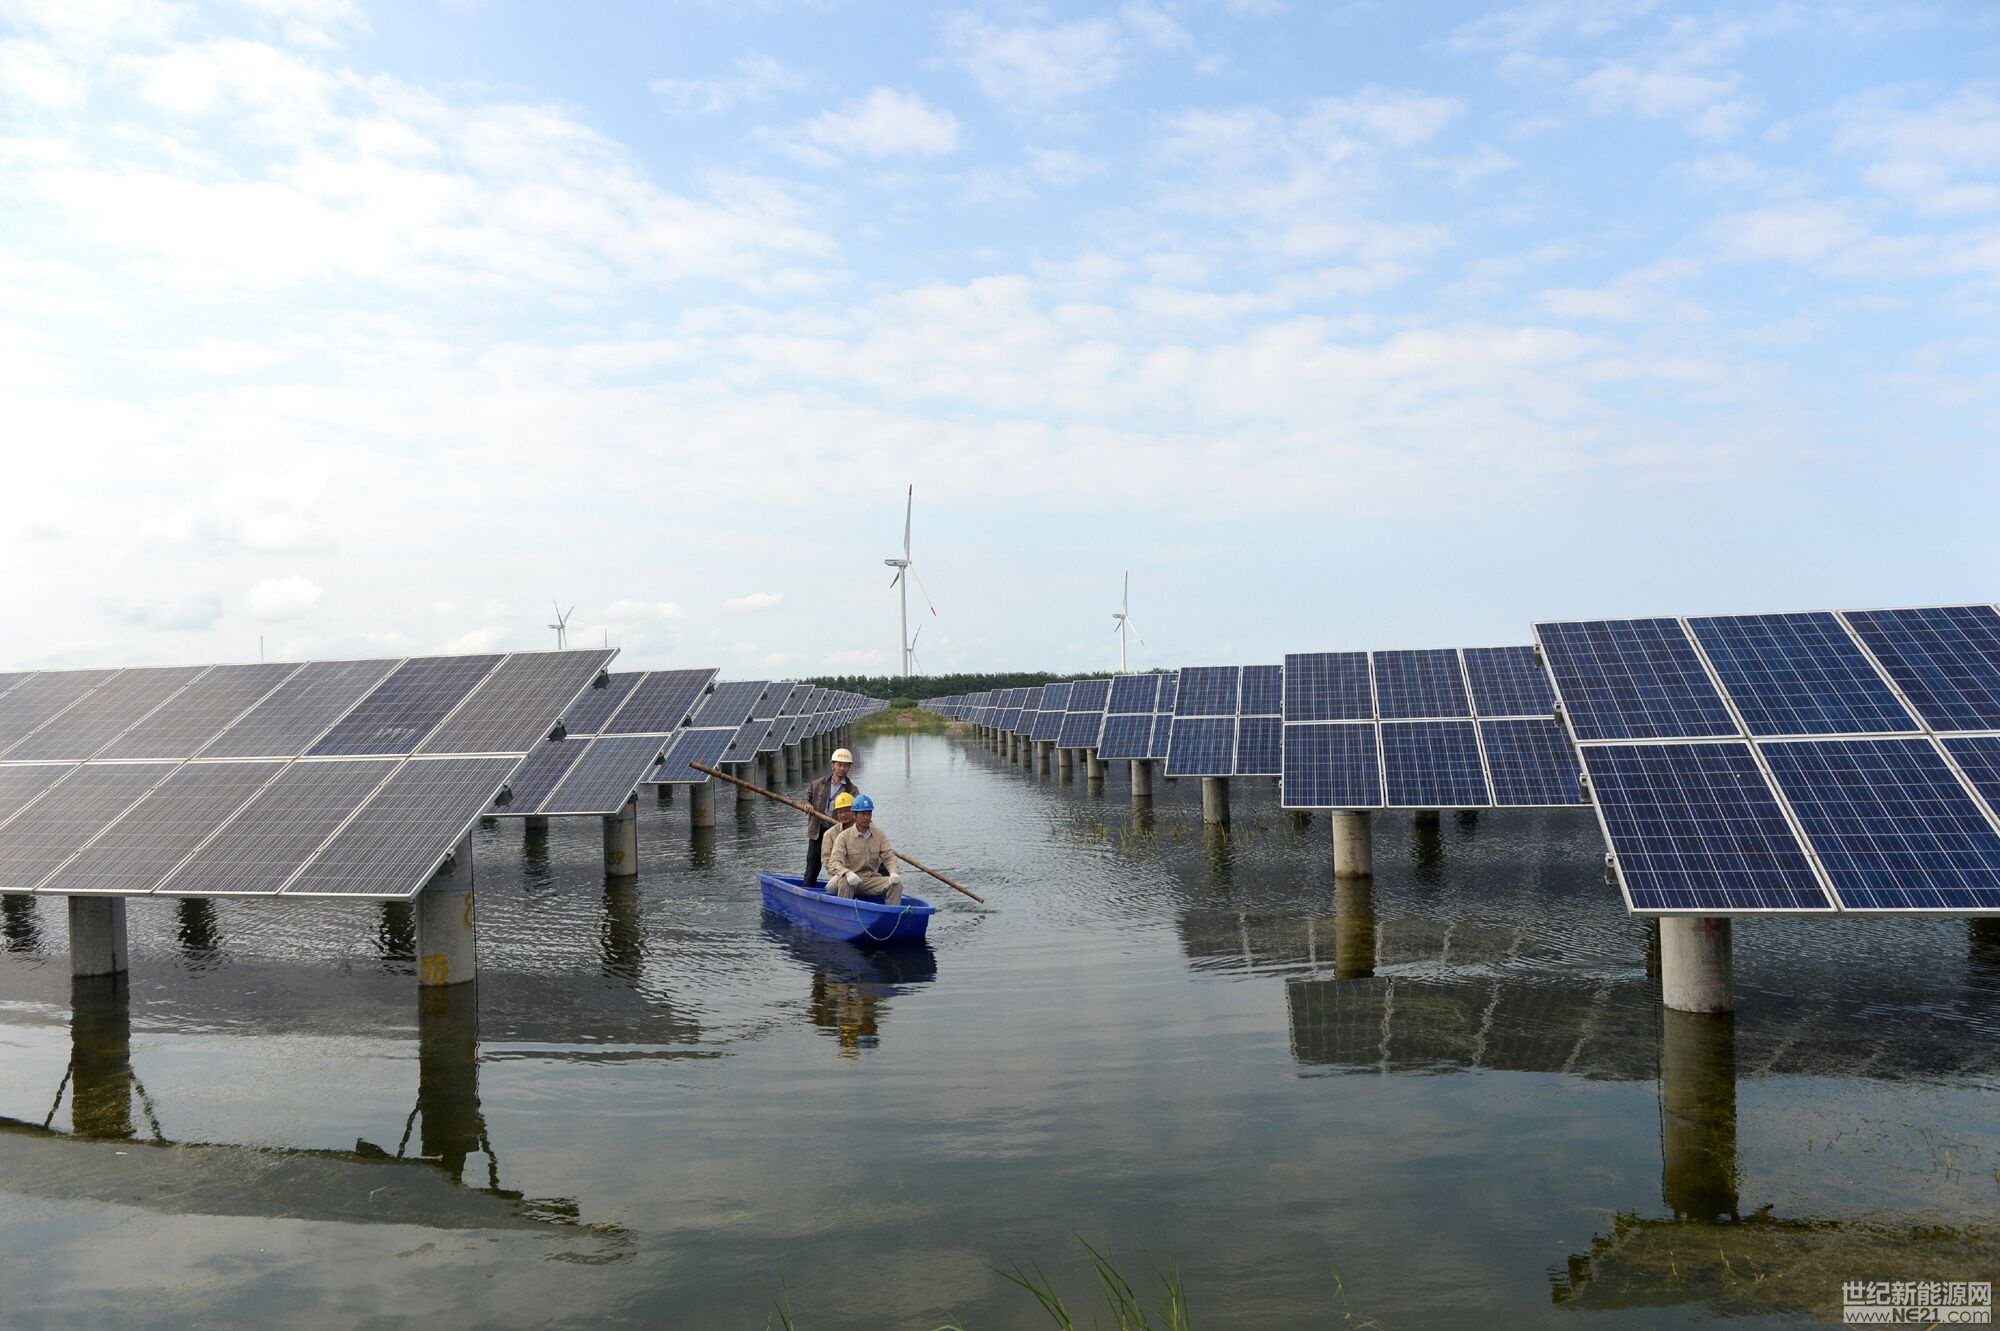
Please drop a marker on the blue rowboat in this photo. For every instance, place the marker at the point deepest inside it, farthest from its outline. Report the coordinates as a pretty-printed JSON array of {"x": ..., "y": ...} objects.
[{"x": 851, "y": 918}]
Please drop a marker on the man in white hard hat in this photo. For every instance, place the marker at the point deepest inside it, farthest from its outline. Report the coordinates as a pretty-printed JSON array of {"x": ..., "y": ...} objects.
[{"x": 820, "y": 795}]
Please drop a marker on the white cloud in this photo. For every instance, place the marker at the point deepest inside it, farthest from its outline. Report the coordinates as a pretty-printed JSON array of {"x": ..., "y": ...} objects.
[
  {"x": 1942, "y": 160},
  {"x": 179, "y": 612},
  {"x": 283, "y": 598},
  {"x": 309, "y": 22},
  {"x": 1039, "y": 65},
  {"x": 885, "y": 123},
  {"x": 754, "y": 601},
  {"x": 661, "y": 611},
  {"x": 755, "y": 78}
]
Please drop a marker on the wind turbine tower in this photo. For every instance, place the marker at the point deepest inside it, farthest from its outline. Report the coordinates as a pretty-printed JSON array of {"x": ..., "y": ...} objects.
[
  {"x": 1123, "y": 620},
  {"x": 905, "y": 569}
]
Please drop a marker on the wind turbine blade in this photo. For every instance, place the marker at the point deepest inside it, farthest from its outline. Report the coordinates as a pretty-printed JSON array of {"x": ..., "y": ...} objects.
[
  {"x": 909, "y": 503},
  {"x": 1125, "y": 601},
  {"x": 1135, "y": 630},
  {"x": 898, "y": 578},
  {"x": 913, "y": 639},
  {"x": 926, "y": 591}
]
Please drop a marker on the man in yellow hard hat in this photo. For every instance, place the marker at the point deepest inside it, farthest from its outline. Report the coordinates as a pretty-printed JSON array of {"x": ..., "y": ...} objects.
[
  {"x": 821, "y": 795},
  {"x": 843, "y": 813}
]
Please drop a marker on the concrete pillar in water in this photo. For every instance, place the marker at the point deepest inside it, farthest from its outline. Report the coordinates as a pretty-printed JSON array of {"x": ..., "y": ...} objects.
[
  {"x": 792, "y": 764},
  {"x": 1142, "y": 778},
  {"x": 621, "y": 841},
  {"x": 1354, "y": 929},
  {"x": 701, "y": 804},
  {"x": 534, "y": 825},
  {"x": 1424, "y": 817},
  {"x": 1695, "y": 964},
  {"x": 1065, "y": 763},
  {"x": 663, "y": 795},
  {"x": 1093, "y": 766},
  {"x": 446, "y": 933},
  {"x": 96, "y": 936},
  {"x": 743, "y": 772},
  {"x": 1353, "y": 843},
  {"x": 1045, "y": 752},
  {"x": 1215, "y": 800},
  {"x": 1698, "y": 1114},
  {"x": 453, "y": 1127},
  {"x": 100, "y": 1056}
]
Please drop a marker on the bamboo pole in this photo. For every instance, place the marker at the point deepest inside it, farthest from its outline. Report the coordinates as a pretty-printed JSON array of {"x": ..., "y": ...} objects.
[{"x": 807, "y": 808}]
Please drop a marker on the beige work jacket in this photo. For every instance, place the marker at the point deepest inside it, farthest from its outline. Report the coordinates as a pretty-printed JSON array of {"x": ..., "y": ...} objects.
[{"x": 852, "y": 852}]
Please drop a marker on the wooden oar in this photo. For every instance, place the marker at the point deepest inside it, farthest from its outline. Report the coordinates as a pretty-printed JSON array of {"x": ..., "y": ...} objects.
[{"x": 807, "y": 808}]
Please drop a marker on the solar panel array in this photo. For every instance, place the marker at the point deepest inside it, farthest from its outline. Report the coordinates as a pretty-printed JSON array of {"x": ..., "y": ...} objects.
[
  {"x": 1226, "y": 721},
  {"x": 1803, "y": 762},
  {"x": 1083, "y": 714},
  {"x": 1434, "y": 729},
  {"x": 613, "y": 737},
  {"x": 741, "y": 719},
  {"x": 330, "y": 778}
]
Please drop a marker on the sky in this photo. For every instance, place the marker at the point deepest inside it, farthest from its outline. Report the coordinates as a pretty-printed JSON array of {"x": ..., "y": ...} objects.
[{"x": 336, "y": 329}]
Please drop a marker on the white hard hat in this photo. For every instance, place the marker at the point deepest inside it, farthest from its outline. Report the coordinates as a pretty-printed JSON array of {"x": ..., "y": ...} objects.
[{"x": 841, "y": 756}]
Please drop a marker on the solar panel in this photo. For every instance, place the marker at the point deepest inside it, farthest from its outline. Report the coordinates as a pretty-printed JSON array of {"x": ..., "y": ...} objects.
[
  {"x": 547, "y": 764},
  {"x": 38, "y": 698},
  {"x": 1632, "y": 679},
  {"x": 1331, "y": 765},
  {"x": 300, "y": 710},
  {"x": 749, "y": 739},
  {"x": 180, "y": 726},
  {"x": 20, "y": 784},
  {"x": 1262, "y": 691},
  {"x": 1328, "y": 686},
  {"x": 1126, "y": 737},
  {"x": 1420, "y": 684},
  {"x": 1049, "y": 721},
  {"x": 270, "y": 837},
  {"x": 1945, "y": 659},
  {"x": 149, "y": 839},
  {"x": 397, "y": 840},
  {"x": 514, "y": 706},
  {"x": 1531, "y": 761},
  {"x": 1130, "y": 694},
  {"x": 1432, "y": 765},
  {"x": 664, "y": 700},
  {"x": 1258, "y": 745},
  {"x": 1799, "y": 675},
  {"x": 692, "y": 746},
  {"x": 1508, "y": 681},
  {"x": 606, "y": 775},
  {"x": 795, "y": 700},
  {"x": 1202, "y": 746},
  {"x": 105, "y": 713},
  {"x": 1169, "y": 693},
  {"x": 730, "y": 705},
  {"x": 1978, "y": 756},
  {"x": 405, "y": 707},
  {"x": 1208, "y": 691},
  {"x": 590, "y": 711},
  {"x": 1163, "y": 736},
  {"x": 1890, "y": 823},
  {"x": 1696, "y": 829},
  {"x": 43, "y": 834}
]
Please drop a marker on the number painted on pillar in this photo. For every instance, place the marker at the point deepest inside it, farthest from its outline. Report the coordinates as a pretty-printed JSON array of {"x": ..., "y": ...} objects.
[
  {"x": 468, "y": 910},
  {"x": 614, "y": 858},
  {"x": 434, "y": 969}
]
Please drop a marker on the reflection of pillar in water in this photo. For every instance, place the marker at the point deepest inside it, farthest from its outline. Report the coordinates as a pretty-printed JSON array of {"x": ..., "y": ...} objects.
[
  {"x": 663, "y": 794},
  {"x": 396, "y": 934},
  {"x": 1653, "y": 947},
  {"x": 1427, "y": 849},
  {"x": 1698, "y": 1114},
  {"x": 18, "y": 929},
  {"x": 624, "y": 941},
  {"x": 1423, "y": 817},
  {"x": 701, "y": 842},
  {"x": 1354, "y": 929},
  {"x": 196, "y": 931},
  {"x": 100, "y": 1086},
  {"x": 1982, "y": 945},
  {"x": 448, "y": 1075}
]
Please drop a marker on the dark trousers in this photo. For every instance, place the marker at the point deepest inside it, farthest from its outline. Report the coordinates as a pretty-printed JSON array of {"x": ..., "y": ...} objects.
[{"x": 812, "y": 860}]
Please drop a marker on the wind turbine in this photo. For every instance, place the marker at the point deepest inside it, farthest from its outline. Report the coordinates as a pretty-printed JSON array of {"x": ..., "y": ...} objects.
[
  {"x": 561, "y": 626},
  {"x": 902, "y": 566},
  {"x": 1123, "y": 618},
  {"x": 914, "y": 662}
]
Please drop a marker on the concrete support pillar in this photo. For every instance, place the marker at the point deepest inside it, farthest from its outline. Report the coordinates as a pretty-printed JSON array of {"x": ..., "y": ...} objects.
[
  {"x": 1045, "y": 752},
  {"x": 1093, "y": 766},
  {"x": 1354, "y": 929},
  {"x": 792, "y": 764},
  {"x": 663, "y": 795},
  {"x": 1696, "y": 964},
  {"x": 743, "y": 772},
  {"x": 701, "y": 804},
  {"x": 96, "y": 936},
  {"x": 534, "y": 825},
  {"x": 1423, "y": 817},
  {"x": 1653, "y": 948},
  {"x": 446, "y": 932},
  {"x": 621, "y": 842},
  {"x": 1353, "y": 844},
  {"x": 1215, "y": 801},
  {"x": 1698, "y": 1115},
  {"x": 1142, "y": 778},
  {"x": 1026, "y": 750},
  {"x": 1066, "y": 763}
]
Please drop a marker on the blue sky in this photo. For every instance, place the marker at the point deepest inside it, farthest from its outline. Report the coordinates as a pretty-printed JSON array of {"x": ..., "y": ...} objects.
[{"x": 370, "y": 329}]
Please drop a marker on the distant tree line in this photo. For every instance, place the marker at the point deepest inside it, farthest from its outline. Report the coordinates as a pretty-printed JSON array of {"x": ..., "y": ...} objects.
[{"x": 917, "y": 688}]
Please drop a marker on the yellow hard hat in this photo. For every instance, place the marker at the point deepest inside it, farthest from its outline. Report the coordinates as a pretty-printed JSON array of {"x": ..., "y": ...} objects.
[
  {"x": 841, "y": 756},
  {"x": 844, "y": 800}
]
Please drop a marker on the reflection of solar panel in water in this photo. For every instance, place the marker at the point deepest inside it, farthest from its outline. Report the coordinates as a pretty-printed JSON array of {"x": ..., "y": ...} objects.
[
  {"x": 181, "y": 726},
  {"x": 406, "y": 829},
  {"x": 37, "y": 699},
  {"x": 513, "y": 706},
  {"x": 606, "y": 775},
  {"x": 270, "y": 837},
  {"x": 300, "y": 710},
  {"x": 692, "y": 746},
  {"x": 45, "y": 833},
  {"x": 406, "y": 707},
  {"x": 104, "y": 714},
  {"x": 143, "y": 845},
  {"x": 1696, "y": 830}
]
